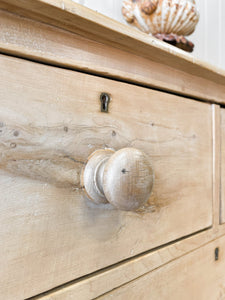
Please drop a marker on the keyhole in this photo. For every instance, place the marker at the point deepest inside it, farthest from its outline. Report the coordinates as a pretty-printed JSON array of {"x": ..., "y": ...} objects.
[
  {"x": 104, "y": 98},
  {"x": 217, "y": 253}
]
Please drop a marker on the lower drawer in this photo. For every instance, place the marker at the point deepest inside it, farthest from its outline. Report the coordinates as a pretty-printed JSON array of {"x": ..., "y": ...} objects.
[
  {"x": 197, "y": 275},
  {"x": 51, "y": 121}
]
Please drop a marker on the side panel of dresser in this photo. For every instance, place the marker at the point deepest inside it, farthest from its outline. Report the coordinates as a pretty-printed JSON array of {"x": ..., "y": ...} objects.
[
  {"x": 198, "y": 275},
  {"x": 222, "y": 196},
  {"x": 50, "y": 122}
]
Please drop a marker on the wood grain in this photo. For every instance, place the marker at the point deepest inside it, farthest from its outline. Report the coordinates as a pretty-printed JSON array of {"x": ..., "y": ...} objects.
[
  {"x": 194, "y": 276},
  {"x": 78, "y": 19},
  {"x": 50, "y": 234},
  {"x": 108, "y": 279},
  {"x": 222, "y": 200},
  {"x": 216, "y": 120},
  {"x": 158, "y": 66},
  {"x": 128, "y": 179},
  {"x": 123, "y": 178}
]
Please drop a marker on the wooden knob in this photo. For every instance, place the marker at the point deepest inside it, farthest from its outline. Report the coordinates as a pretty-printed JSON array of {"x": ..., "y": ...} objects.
[{"x": 123, "y": 178}]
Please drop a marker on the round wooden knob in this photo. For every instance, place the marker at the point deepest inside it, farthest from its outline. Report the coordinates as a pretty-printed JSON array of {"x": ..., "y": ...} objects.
[{"x": 123, "y": 178}]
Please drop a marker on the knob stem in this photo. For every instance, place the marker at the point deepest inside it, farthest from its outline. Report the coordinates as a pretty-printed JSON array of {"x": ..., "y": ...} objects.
[
  {"x": 92, "y": 177},
  {"x": 98, "y": 176}
]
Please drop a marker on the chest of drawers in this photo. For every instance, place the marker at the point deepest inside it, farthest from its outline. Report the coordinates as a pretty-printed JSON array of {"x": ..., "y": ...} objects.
[{"x": 69, "y": 89}]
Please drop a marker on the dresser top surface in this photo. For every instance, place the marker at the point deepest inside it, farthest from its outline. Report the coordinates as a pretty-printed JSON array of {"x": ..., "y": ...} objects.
[{"x": 78, "y": 19}]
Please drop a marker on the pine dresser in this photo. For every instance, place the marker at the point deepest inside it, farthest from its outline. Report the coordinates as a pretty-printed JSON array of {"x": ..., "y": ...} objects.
[{"x": 112, "y": 165}]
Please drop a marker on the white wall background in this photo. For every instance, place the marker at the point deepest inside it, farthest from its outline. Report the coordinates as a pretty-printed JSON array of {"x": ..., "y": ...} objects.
[{"x": 209, "y": 37}]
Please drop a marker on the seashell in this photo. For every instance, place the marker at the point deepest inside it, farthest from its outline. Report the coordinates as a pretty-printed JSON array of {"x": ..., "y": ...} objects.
[{"x": 163, "y": 16}]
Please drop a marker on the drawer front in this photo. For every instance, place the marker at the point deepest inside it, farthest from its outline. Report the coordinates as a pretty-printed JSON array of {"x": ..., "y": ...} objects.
[
  {"x": 197, "y": 275},
  {"x": 51, "y": 122}
]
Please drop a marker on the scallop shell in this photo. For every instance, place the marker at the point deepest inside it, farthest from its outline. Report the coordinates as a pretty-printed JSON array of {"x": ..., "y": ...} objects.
[{"x": 170, "y": 16}]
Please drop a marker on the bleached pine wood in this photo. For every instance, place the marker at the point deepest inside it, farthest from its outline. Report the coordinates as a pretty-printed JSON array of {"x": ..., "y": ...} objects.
[
  {"x": 50, "y": 116},
  {"x": 123, "y": 178},
  {"x": 107, "y": 49},
  {"x": 108, "y": 279},
  {"x": 111, "y": 278},
  {"x": 194, "y": 276},
  {"x": 216, "y": 120},
  {"x": 209, "y": 33},
  {"x": 222, "y": 203}
]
